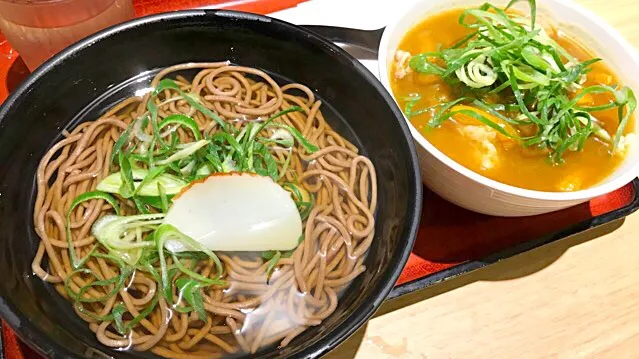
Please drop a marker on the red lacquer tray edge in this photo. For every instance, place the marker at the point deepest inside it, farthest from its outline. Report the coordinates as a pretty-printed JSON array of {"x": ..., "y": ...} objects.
[{"x": 469, "y": 266}]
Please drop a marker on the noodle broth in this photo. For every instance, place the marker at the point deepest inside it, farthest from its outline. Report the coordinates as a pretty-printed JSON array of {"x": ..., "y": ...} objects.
[{"x": 263, "y": 302}]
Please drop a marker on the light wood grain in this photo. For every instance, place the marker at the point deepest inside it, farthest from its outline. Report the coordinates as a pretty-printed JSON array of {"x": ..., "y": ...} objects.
[{"x": 577, "y": 298}]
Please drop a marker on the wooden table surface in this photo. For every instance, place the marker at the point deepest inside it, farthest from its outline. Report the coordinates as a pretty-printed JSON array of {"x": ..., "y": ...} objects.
[{"x": 577, "y": 298}]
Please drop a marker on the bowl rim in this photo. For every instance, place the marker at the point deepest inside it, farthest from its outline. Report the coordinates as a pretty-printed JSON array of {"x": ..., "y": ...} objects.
[
  {"x": 39, "y": 340},
  {"x": 626, "y": 177}
]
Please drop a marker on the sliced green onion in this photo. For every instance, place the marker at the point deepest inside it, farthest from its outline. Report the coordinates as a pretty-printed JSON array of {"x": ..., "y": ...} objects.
[
  {"x": 87, "y": 196},
  {"x": 172, "y": 185},
  {"x": 182, "y": 120},
  {"x": 168, "y": 236},
  {"x": 189, "y": 290},
  {"x": 187, "y": 151},
  {"x": 127, "y": 188},
  {"x": 272, "y": 263},
  {"x": 309, "y": 147}
]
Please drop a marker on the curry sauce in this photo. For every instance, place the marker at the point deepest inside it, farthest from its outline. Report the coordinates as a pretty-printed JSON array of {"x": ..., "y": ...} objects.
[{"x": 503, "y": 159}]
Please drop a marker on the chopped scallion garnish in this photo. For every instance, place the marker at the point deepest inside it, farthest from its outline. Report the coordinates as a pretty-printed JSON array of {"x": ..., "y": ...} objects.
[{"x": 508, "y": 54}]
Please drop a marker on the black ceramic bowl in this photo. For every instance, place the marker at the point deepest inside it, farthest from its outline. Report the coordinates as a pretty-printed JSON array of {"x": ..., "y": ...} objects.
[{"x": 97, "y": 72}]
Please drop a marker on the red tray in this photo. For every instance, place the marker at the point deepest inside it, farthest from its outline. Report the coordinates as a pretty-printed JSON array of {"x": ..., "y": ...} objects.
[{"x": 451, "y": 241}]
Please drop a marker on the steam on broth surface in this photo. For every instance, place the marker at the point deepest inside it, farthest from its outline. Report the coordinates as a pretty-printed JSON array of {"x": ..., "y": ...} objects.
[
  {"x": 125, "y": 208},
  {"x": 516, "y": 101}
]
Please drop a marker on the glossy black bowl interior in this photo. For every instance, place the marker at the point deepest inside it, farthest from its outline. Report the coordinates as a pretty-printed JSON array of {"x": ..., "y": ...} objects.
[{"x": 97, "y": 72}]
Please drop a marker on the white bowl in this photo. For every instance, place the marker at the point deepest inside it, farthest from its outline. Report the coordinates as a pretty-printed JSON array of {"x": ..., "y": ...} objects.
[{"x": 475, "y": 192}]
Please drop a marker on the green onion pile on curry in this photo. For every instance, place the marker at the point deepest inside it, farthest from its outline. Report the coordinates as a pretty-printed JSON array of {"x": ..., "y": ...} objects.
[{"x": 515, "y": 100}]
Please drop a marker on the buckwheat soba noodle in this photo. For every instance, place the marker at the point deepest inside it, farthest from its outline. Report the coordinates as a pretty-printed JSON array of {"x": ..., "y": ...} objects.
[{"x": 214, "y": 215}]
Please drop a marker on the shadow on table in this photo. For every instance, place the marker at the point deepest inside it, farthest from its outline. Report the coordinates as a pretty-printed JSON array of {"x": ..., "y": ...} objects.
[
  {"x": 503, "y": 270},
  {"x": 349, "y": 348},
  {"x": 535, "y": 261}
]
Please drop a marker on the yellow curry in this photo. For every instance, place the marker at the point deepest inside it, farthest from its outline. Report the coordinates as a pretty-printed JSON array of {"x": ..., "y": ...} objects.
[{"x": 492, "y": 153}]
